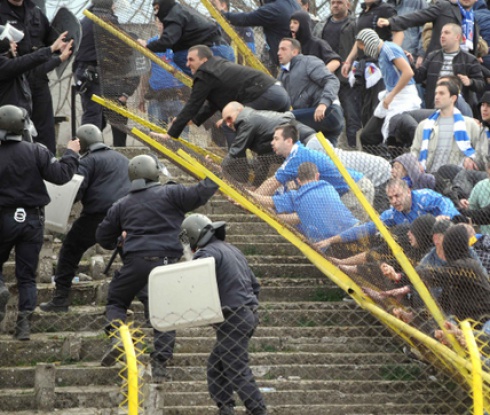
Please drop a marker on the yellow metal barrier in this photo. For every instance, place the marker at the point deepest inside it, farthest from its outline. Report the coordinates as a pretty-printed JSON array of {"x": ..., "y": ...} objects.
[
  {"x": 397, "y": 251},
  {"x": 132, "y": 370},
  {"x": 476, "y": 370},
  {"x": 251, "y": 59},
  {"x": 181, "y": 76},
  {"x": 113, "y": 106}
]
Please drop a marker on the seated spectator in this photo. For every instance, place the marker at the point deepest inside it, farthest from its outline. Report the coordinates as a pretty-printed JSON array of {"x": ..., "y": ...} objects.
[
  {"x": 300, "y": 26},
  {"x": 254, "y": 130},
  {"x": 407, "y": 168},
  {"x": 480, "y": 196},
  {"x": 403, "y": 126},
  {"x": 401, "y": 93},
  {"x": 285, "y": 143},
  {"x": 406, "y": 206},
  {"x": 465, "y": 289},
  {"x": 447, "y": 137},
  {"x": 315, "y": 207},
  {"x": 313, "y": 90},
  {"x": 450, "y": 60}
]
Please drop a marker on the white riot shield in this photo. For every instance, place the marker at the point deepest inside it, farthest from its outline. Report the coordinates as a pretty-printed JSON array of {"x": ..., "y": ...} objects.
[
  {"x": 184, "y": 295},
  {"x": 62, "y": 198}
]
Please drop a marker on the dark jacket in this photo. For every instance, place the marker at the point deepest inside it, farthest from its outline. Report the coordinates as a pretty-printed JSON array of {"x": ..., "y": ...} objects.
[
  {"x": 274, "y": 17},
  {"x": 237, "y": 284},
  {"x": 311, "y": 45},
  {"x": 106, "y": 180},
  {"x": 254, "y": 131},
  {"x": 309, "y": 83},
  {"x": 152, "y": 218},
  {"x": 87, "y": 52},
  {"x": 463, "y": 64},
  {"x": 35, "y": 27},
  {"x": 24, "y": 166},
  {"x": 368, "y": 19},
  {"x": 184, "y": 27},
  {"x": 465, "y": 290},
  {"x": 219, "y": 82},
  {"x": 346, "y": 41},
  {"x": 14, "y": 88},
  {"x": 439, "y": 14}
]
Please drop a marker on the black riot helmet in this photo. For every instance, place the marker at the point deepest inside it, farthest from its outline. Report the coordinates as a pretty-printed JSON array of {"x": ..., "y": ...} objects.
[
  {"x": 12, "y": 122},
  {"x": 88, "y": 134},
  {"x": 197, "y": 230}
]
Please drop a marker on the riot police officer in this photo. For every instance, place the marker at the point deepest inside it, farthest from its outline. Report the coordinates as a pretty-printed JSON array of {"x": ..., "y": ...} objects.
[
  {"x": 23, "y": 195},
  {"x": 238, "y": 288},
  {"x": 105, "y": 173},
  {"x": 25, "y": 16},
  {"x": 148, "y": 219}
]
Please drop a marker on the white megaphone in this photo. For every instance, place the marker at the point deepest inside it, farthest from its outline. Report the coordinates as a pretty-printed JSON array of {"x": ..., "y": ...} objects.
[{"x": 11, "y": 33}]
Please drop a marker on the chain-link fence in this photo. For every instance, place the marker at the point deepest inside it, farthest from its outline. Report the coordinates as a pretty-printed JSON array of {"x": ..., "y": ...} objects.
[{"x": 397, "y": 344}]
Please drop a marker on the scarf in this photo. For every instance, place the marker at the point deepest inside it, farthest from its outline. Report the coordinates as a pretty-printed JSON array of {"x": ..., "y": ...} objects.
[
  {"x": 460, "y": 135},
  {"x": 468, "y": 27}
]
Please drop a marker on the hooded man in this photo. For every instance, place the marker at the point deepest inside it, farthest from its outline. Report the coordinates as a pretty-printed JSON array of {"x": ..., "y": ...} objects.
[
  {"x": 300, "y": 26},
  {"x": 407, "y": 168},
  {"x": 184, "y": 27}
]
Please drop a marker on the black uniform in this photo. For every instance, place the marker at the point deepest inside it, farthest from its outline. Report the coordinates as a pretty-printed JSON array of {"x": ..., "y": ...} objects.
[
  {"x": 105, "y": 181},
  {"x": 23, "y": 166},
  {"x": 228, "y": 368},
  {"x": 152, "y": 218},
  {"x": 111, "y": 67},
  {"x": 35, "y": 25}
]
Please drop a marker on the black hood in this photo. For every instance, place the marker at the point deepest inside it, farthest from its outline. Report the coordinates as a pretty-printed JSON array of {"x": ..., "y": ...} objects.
[
  {"x": 304, "y": 31},
  {"x": 164, "y": 7}
]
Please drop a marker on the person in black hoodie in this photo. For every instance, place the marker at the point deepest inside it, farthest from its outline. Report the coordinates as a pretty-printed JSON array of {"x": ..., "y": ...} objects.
[
  {"x": 184, "y": 27},
  {"x": 300, "y": 26}
]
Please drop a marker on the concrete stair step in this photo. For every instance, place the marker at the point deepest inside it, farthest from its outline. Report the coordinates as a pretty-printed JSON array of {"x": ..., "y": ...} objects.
[{"x": 341, "y": 372}]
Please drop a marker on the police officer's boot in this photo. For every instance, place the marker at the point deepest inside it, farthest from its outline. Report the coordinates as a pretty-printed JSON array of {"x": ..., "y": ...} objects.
[
  {"x": 113, "y": 353},
  {"x": 227, "y": 410},
  {"x": 60, "y": 302},
  {"x": 4, "y": 298},
  {"x": 159, "y": 371},
  {"x": 23, "y": 325}
]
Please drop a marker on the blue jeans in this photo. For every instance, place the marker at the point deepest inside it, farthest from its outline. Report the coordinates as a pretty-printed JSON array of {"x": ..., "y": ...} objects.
[
  {"x": 224, "y": 51},
  {"x": 331, "y": 126},
  {"x": 162, "y": 112}
]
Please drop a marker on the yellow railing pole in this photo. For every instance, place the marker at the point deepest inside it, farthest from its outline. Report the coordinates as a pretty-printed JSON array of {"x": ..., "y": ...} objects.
[
  {"x": 132, "y": 368},
  {"x": 253, "y": 61},
  {"x": 397, "y": 251},
  {"x": 476, "y": 372},
  {"x": 111, "y": 105},
  {"x": 181, "y": 76}
]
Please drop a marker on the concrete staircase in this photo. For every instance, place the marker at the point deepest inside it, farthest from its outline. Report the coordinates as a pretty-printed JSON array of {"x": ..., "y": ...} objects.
[{"x": 312, "y": 354}]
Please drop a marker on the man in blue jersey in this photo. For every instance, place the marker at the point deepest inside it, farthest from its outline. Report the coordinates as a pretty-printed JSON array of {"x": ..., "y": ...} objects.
[
  {"x": 315, "y": 208},
  {"x": 406, "y": 206},
  {"x": 285, "y": 143}
]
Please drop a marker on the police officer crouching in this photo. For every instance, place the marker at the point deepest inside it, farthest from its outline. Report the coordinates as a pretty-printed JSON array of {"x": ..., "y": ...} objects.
[
  {"x": 238, "y": 288},
  {"x": 23, "y": 195},
  {"x": 106, "y": 180},
  {"x": 148, "y": 221}
]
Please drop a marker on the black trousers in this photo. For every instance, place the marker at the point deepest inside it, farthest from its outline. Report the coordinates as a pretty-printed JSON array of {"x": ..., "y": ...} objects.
[
  {"x": 27, "y": 238},
  {"x": 228, "y": 364},
  {"x": 351, "y": 102},
  {"x": 42, "y": 112},
  {"x": 126, "y": 284}
]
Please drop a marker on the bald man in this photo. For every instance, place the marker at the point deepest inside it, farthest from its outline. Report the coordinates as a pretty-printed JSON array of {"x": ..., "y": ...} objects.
[{"x": 254, "y": 130}]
